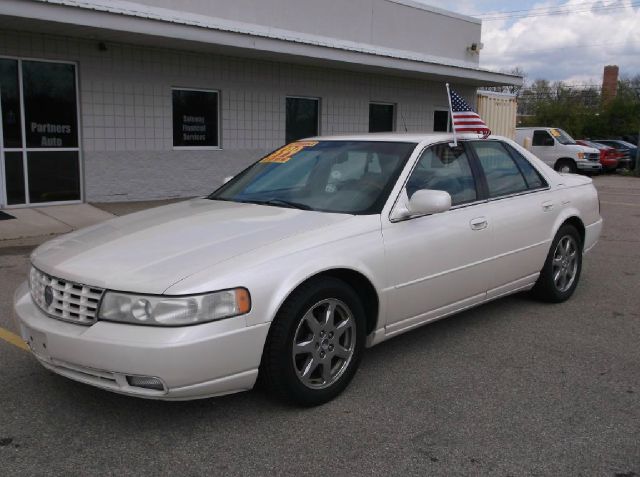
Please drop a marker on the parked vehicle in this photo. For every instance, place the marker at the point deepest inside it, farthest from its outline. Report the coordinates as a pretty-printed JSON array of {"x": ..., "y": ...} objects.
[
  {"x": 558, "y": 150},
  {"x": 296, "y": 265},
  {"x": 630, "y": 138},
  {"x": 628, "y": 151},
  {"x": 609, "y": 156}
]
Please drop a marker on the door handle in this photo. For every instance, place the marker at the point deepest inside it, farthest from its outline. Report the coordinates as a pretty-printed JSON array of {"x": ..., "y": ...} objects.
[
  {"x": 479, "y": 223},
  {"x": 547, "y": 206}
]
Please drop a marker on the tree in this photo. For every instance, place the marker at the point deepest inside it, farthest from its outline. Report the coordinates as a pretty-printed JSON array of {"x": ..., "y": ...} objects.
[{"x": 512, "y": 89}]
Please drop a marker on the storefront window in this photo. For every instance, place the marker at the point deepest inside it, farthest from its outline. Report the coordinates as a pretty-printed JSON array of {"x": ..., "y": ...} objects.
[
  {"x": 53, "y": 176},
  {"x": 14, "y": 173},
  {"x": 50, "y": 104},
  {"x": 45, "y": 166},
  {"x": 195, "y": 118},
  {"x": 381, "y": 117},
  {"x": 441, "y": 121},
  {"x": 10, "y": 104},
  {"x": 302, "y": 118}
]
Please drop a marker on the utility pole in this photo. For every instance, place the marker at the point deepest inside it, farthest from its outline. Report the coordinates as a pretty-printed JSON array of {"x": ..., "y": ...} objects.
[{"x": 637, "y": 168}]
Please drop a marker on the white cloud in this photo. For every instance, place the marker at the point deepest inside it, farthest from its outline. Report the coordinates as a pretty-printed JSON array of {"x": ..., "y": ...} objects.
[{"x": 572, "y": 47}]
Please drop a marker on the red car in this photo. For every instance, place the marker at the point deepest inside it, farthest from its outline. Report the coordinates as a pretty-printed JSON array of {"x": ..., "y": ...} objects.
[{"x": 608, "y": 155}]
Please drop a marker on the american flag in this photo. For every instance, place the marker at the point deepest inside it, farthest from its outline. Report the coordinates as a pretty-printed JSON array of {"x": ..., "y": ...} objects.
[{"x": 465, "y": 119}]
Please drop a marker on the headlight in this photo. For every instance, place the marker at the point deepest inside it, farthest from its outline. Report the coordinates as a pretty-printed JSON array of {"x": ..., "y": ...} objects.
[
  {"x": 174, "y": 310},
  {"x": 581, "y": 155}
]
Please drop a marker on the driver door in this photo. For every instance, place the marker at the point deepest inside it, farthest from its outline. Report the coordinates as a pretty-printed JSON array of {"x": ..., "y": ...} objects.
[
  {"x": 543, "y": 145},
  {"x": 438, "y": 263}
]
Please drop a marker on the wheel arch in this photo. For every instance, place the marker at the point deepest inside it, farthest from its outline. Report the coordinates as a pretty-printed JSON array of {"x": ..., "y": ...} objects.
[
  {"x": 571, "y": 219},
  {"x": 360, "y": 283},
  {"x": 560, "y": 159}
]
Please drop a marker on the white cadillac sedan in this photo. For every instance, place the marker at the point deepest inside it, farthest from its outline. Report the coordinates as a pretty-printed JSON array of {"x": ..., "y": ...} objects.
[{"x": 296, "y": 265}]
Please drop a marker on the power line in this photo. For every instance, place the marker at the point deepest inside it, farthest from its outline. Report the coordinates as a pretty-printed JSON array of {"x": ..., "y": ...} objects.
[
  {"x": 505, "y": 12},
  {"x": 565, "y": 11},
  {"x": 559, "y": 11},
  {"x": 583, "y": 45}
]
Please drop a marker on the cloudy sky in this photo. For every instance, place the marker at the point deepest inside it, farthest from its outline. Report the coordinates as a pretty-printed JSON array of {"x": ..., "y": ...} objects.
[{"x": 568, "y": 40}]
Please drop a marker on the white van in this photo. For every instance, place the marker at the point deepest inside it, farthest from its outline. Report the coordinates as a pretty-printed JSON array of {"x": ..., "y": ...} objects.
[{"x": 557, "y": 149}]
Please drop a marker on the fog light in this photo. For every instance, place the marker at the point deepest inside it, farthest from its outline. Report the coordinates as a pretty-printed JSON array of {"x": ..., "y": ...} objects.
[{"x": 146, "y": 382}]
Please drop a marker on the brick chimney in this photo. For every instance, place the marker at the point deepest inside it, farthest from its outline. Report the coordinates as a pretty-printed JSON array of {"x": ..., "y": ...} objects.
[{"x": 609, "y": 83}]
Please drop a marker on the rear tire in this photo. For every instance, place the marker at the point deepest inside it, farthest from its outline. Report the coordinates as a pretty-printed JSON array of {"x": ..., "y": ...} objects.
[
  {"x": 561, "y": 272},
  {"x": 566, "y": 166},
  {"x": 315, "y": 343}
]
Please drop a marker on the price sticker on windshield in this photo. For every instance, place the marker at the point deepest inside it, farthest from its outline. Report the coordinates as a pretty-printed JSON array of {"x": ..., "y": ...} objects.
[
  {"x": 285, "y": 153},
  {"x": 555, "y": 133}
]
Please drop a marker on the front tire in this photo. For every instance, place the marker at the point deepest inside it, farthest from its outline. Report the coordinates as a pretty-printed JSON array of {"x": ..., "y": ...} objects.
[
  {"x": 315, "y": 343},
  {"x": 561, "y": 272},
  {"x": 566, "y": 166}
]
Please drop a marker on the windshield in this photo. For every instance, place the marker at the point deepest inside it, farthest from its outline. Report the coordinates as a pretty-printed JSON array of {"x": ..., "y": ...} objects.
[
  {"x": 594, "y": 145},
  {"x": 627, "y": 144},
  {"x": 561, "y": 136},
  {"x": 353, "y": 177}
]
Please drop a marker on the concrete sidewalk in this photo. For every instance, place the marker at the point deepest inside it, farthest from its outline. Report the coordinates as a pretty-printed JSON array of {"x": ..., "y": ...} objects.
[
  {"x": 52, "y": 220},
  {"x": 36, "y": 224}
]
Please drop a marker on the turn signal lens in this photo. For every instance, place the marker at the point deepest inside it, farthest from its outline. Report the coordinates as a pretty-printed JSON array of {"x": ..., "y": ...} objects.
[{"x": 243, "y": 300}]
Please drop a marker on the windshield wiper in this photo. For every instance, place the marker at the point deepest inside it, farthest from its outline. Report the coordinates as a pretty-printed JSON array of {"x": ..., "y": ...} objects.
[{"x": 279, "y": 203}]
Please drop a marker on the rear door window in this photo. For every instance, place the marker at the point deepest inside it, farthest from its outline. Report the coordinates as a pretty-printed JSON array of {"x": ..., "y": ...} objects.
[
  {"x": 501, "y": 172},
  {"x": 531, "y": 175}
]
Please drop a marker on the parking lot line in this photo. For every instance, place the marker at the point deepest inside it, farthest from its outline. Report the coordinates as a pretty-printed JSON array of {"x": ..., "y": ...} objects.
[{"x": 13, "y": 339}]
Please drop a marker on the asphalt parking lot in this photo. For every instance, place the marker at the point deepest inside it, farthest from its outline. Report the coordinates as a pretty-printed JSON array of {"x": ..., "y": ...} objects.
[{"x": 514, "y": 387}]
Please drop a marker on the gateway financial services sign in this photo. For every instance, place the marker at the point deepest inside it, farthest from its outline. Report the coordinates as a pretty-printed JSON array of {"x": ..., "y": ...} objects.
[{"x": 195, "y": 118}]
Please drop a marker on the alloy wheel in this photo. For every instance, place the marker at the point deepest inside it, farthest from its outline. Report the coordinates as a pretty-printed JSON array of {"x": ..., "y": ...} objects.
[
  {"x": 565, "y": 263},
  {"x": 324, "y": 343}
]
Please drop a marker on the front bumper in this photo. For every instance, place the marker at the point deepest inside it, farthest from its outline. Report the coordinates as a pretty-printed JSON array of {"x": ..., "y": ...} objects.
[
  {"x": 210, "y": 359},
  {"x": 589, "y": 166}
]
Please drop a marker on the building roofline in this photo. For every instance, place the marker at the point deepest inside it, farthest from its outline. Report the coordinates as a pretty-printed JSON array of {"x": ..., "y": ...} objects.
[
  {"x": 439, "y": 11},
  {"x": 145, "y": 20}
]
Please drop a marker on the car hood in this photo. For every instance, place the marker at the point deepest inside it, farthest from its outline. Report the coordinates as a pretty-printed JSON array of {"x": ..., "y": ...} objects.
[
  {"x": 581, "y": 148},
  {"x": 149, "y": 251}
]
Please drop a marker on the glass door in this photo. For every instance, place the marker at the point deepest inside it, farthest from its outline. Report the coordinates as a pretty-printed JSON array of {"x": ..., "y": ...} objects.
[
  {"x": 13, "y": 186},
  {"x": 40, "y": 145}
]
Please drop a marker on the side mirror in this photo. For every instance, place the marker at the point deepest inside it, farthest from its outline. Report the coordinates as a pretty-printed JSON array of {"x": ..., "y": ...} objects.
[
  {"x": 226, "y": 179},
  {"x": 426, "y": 202}
]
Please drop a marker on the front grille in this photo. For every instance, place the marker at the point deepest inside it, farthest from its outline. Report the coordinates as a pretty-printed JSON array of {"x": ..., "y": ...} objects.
[
  {"x": 65, "y": 300},
  {"x": 593, "y": 156}
]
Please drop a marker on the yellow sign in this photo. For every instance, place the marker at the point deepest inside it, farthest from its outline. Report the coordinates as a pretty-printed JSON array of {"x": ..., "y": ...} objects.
[
  {"x": 285, "y": 153},
  {"x": 555, "y": 133}
]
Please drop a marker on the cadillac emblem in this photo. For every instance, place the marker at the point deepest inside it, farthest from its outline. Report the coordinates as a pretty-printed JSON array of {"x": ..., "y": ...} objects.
[{"x": 48, "y": 295}]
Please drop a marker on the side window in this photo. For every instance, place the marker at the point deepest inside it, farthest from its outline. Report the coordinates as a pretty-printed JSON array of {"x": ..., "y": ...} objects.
[
  {"x": 542, "y": 138},
  {"x": 502, "y": 173},
  {"x": 442, "y": 168},
  {"x": 531, "y": 175}
]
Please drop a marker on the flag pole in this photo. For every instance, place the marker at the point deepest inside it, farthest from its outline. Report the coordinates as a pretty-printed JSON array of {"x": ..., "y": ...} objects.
[{"x": 455, "y": 139}]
